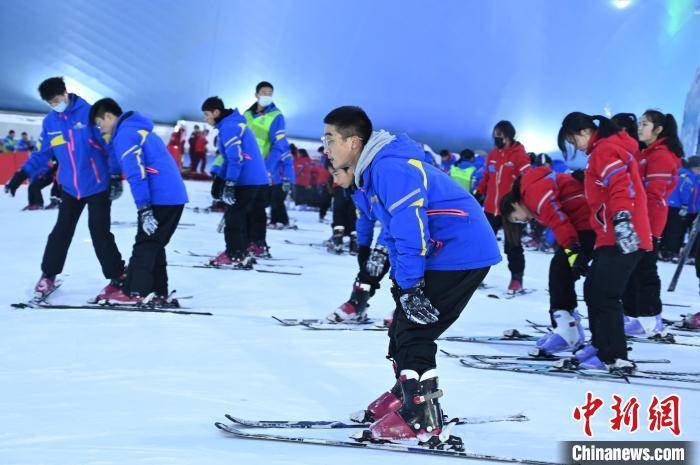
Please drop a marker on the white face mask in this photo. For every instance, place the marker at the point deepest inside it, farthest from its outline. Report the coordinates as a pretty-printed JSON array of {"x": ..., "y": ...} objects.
[
  {"x": 59, "y": 108},
  {"x": 264, "y": 100}
]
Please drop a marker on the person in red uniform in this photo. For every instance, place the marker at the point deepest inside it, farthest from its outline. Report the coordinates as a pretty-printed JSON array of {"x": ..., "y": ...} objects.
[
  {"x": 504, "y": 163},
  {"x": 618, "y": 203},
  {"x": 302, "y": 170},
  {"x": 557, "y": 201},
  {"x": 176, "y": 145},
  {"x": 659, "y": 163}
]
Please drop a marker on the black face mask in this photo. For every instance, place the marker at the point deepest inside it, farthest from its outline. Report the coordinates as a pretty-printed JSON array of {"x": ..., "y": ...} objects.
[{"x": 499, "y": 142}]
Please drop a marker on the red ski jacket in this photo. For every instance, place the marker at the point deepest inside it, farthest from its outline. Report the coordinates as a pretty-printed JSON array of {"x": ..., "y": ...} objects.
[
  {"x": 658, "y": 167},
  {"x": 557, "y": 201},
  {"x": 302, "y": 170},
  {"x": 613, "y": 184},
  {"x": 502, "y": 167}
]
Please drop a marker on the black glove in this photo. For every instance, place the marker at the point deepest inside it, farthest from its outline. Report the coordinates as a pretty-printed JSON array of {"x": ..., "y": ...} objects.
[
  {"x": 149, "y": 224},
  {"x": 362, "y": 256},
  {"x": 377, "y": 261},
  {"x": 416, "y": 305},
  {"x": 115, "y": 187},
  {"x": 286, "y": 186},
  {"x": 217, "y": 187},
  {"x": 479, "y": 198},
  {"x": 228, "y": 195},
  {"x": 17, "y": 179},
  {"x": 625, "y": 236},
  {"x": 578, "y": 260}
]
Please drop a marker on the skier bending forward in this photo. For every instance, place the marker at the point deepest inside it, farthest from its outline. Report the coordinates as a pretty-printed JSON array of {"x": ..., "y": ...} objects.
[{"x": 440, "y": 248}]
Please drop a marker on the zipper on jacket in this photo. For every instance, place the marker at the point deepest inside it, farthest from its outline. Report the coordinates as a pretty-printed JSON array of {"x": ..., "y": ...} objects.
[
  {"x": 71, "y": 146},
  {"x": 94, "y": 170}
]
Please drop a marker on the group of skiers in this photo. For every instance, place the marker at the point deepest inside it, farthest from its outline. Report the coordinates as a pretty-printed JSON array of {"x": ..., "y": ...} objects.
[
  {"x": 438, "y": 224},
  {"x": 437, "y": 243},
  {"x": 98, "y": 145}
]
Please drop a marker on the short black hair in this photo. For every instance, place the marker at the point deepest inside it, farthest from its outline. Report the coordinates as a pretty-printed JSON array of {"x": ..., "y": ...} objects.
[
  {"x": 467, "y": 154},
  {"x": 52, "y": 87},
  {"x": 262, "y": 84},
  {"x": 213, "y": 103},
  {"x": 24, "y": 133},
  {"x": 102, "y": 107},
  {"x": 350, "y": 121},
  {"x": 506, "y": 128},
  {"x": 12, "y": 131}
]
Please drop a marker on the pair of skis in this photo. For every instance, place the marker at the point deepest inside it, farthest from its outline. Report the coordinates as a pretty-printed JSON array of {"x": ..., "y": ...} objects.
[
  {"x": 567, "y": 370},
  {"x": 41, "y": 302},
  {"x": 239, "y": 428}
]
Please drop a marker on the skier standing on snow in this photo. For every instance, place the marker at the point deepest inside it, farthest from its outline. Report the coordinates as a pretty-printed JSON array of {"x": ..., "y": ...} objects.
[
  {"x": 557, "y": 201},
  {"x": 89, "y": 177},
  {"x": 504, "y": 163},
  {"x": 158, "y": 191},
  {"x": 373, "y": 261},
  {"x": 243, "y": 188},
  {"x": 266, "y": 122},
  {"x": 440, "y": 248},
  {"x": 618, "y": 204},
  {"x": 659, "y": 163}
]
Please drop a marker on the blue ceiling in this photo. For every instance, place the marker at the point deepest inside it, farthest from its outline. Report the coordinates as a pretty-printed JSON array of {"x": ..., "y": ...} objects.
[{"x": 443, "y": 71}]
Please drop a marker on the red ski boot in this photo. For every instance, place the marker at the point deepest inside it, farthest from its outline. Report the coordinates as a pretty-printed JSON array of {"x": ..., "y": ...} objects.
[
  {"x": 221, "y": 259},
  {"x": 420, "y": 416},
  {"x": 44, "y": 287},
  {"x": 355, "y": 309},
  {"x": 388, "y": 402},
  {"x": 692, "y": 321},
  {"x": 110, "y": 290}
]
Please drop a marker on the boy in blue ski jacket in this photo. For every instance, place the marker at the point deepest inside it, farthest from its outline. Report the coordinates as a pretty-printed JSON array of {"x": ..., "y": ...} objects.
[
  {"x": 440, "y": 249},
  {"x": 243, "y": 190},
  {"x": 159, "y": 194},
  {"x": 88, "y": 176}
]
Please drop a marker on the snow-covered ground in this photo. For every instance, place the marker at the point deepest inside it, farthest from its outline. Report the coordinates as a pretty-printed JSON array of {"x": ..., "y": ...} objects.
[{"x": 95, "y": 387}]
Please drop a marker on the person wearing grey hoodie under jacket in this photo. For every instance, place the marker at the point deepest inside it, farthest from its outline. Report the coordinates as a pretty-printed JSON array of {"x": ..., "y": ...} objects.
[{"x": 440, "y": 249}]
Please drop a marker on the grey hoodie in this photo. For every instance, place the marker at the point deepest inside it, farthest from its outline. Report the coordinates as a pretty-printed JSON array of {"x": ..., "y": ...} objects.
[{"x": 376, "y": 142}]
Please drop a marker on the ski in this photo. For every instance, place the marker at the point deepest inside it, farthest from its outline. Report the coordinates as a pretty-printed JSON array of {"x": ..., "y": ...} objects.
[
  {"x": 296, "y": 321},
  {"x": 684, "y": 254},
  {"x": 319, "y": 323},
  {"x": 212, "y": 267},
  {"x": 201, "y": 255},
  {"x": 551, "y": 370},
  {"x": 543, "y": 358},
  {"x": 510, "y": 295},
  {"x": 328, "y": 326},
  {"x": 110, "y": 307},
  {"x": 340, "y": 424},
  {"x": 134, "y": 224},
  {"x": 510, "y": 337},
  {"x": 568, "y": 360},
  {"x": 388, "y": 446}
]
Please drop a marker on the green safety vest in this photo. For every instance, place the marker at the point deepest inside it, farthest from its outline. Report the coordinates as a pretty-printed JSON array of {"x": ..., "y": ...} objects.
[
  {"x": 260, "y": 125},
  {"x": 218, "y": 161},
  {"x": 463, "y": 176}
]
